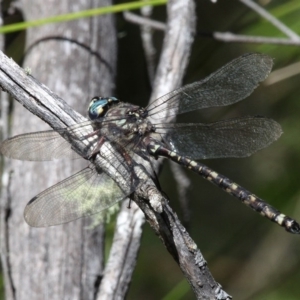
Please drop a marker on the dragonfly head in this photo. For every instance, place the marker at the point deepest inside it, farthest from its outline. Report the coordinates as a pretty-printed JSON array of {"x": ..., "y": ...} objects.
[{"x": 100, "y": 105}]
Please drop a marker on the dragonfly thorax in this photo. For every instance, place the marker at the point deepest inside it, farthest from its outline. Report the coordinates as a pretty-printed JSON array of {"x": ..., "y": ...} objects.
[
  {"x": 130, "y": 119},
  {"x": 99, "y": 106}
]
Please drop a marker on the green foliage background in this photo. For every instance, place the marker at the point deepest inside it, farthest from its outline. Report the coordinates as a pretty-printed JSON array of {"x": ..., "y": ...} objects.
[{"x": 251, "y": 257}]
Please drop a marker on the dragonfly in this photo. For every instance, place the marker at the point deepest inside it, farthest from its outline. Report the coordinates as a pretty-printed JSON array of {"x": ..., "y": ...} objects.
[{"x": 136, "y": 132}]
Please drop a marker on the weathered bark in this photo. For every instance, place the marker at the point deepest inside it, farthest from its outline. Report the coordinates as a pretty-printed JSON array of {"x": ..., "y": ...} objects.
[{"x": 62, "y": 262}]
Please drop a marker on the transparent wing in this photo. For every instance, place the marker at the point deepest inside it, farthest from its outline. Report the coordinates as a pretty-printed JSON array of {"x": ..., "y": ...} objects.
[
  {"x": 85, "y": 193},
  {"x": 37, "y": 146},
  {"x": 229, "y": 138},
  {"x": 58, "y": 143},
  {"x": 231, "y": 83},
  {"x": 52, "y": 144}
]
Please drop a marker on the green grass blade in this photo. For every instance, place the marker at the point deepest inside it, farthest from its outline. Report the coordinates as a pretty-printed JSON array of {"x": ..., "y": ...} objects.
[{"x": 81, "y": 14}]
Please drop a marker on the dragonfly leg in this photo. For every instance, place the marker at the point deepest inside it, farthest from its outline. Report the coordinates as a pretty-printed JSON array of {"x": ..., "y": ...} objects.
[{"x": 96, "y": 148}]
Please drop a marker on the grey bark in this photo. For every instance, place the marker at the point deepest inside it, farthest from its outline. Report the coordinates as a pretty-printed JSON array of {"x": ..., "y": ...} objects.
[{"x": 63, "y": 262}]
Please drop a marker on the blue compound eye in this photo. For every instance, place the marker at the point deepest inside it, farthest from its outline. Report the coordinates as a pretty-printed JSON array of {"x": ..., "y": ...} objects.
[{"x": 99, "y": 106}]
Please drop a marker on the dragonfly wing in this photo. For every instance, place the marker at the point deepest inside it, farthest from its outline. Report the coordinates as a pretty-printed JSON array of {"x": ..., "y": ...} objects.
[
  {"x": 83, "y": 194},
  {"x": 230, "y": 84},
  {"x": 229, "y": 138},
  {"x": 37, "y": 146},
  {"x": 52, "y": 144}
]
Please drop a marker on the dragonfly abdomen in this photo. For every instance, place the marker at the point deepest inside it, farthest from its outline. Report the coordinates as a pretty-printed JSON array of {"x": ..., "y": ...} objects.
[{"x": 230, "y": 187}]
